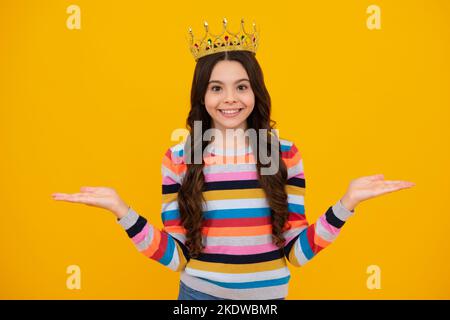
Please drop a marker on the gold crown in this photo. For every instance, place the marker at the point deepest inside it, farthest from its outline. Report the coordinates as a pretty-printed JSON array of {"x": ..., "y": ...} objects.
[{"x": 225, "y": 41}]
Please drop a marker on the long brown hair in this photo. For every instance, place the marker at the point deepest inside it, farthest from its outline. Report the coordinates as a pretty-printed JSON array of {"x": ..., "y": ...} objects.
[{"x": 190, "y": 196}]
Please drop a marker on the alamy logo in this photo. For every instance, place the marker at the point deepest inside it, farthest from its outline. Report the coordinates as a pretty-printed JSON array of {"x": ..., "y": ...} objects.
[
  {"x": 74, "y": 19},
  {"x": 266, "y": 139}
]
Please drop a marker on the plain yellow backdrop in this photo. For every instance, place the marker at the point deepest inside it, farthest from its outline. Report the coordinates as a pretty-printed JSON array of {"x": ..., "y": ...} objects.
[{"x": 96, "y": 106}]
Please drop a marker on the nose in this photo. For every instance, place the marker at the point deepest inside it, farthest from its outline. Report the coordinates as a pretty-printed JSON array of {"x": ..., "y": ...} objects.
[{"x": 230, "y": 98}]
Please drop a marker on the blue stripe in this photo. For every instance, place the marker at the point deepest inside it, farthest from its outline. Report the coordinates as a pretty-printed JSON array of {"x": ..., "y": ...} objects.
[
  {"x": 170, "y": 215},
  {"x": 237, "y": 213},
  {"x": 167, "y": 257},
  {"x": 253, "y": 284},
  {"x": 304, "y": 244},
  {"x": 180, "y": 152},
  {"x": 297, "y": 208},
  {"x": 285, "y": 147}
]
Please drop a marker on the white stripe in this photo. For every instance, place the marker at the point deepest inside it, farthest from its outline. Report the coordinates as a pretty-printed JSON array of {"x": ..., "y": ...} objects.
[
  {"x": 299, "y": 255},
  {"x": 167, "y": 206},
  {"x": 178, "y": 236},
  {"x": 296, "y": 199},
  {"x": 294, "y": 231},
  {"x": 323, "y": 232},
  {"x": 272, "y": 292},
  {"x": 235, "y": 204},
  {"x": 177, "y": 147},
  {"x": 240, "y": 277},
  {"x": 230, "y": 241},
  {"x": 175, "y": 262},
  {"x": 285, "y": 142},
  {"x": 296, "y": 169}
]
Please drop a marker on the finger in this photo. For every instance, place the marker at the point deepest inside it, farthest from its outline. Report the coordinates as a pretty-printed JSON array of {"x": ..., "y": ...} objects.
[
  {"x": 399, "y": 183},
  {"x": 59, "y": 195},
  {"x": 386, "y": 188},
  {"x": 88, "y": 189},
  {"x": 75, "y": 197},
  {"x": 63, "y": 195}
]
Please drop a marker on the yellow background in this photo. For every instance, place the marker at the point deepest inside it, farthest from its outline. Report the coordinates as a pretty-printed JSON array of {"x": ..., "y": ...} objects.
[{"x": 97, "y": 106}]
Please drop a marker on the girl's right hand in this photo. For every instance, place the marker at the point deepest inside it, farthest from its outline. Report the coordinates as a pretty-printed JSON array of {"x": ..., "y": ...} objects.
[{"x": 102, "y": 197}]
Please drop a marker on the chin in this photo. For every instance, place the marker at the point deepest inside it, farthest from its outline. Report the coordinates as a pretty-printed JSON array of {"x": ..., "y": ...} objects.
[{"x": 231, "y": 124}]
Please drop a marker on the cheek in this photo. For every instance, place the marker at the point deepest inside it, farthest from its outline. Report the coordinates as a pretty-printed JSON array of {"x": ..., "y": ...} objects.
[
  {"x": 210, "y": 110},
  {"x": 209, "y": 103},
  {"x": 212, "y": 101},
  {"x": 249, "y": 101}
]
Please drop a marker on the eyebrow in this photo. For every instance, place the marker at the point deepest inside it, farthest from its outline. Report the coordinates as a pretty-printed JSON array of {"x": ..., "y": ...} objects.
[{"x": 243, "y": 79}]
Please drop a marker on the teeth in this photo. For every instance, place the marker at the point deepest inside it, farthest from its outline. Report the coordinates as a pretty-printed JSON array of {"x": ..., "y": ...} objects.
[{"x": 230, "y": 111}]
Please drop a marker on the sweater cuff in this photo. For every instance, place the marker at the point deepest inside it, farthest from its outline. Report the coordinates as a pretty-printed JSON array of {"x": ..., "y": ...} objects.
[
  {"x": 341, "y": 212},
  {"x": 129, "y": 219}
]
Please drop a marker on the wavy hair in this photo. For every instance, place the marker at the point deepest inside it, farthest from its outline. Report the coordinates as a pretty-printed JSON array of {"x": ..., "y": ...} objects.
[{"x": 190, "y": 195}]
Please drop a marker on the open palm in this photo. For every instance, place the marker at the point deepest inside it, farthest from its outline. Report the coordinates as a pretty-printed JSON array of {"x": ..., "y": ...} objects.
[
  {"x": 102, "y": 197},
  {"x": 368, "y": 187}
]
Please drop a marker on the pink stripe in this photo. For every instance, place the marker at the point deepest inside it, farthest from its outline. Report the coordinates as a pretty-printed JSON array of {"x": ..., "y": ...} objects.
[
  {"x": 300, "y": 175},
  {"x": 241, "y": 249},
  {"x": 329, "y": 227},
  {"x": 168, "y": 180},
  {"x": 141, "y": 235},
  {"x": 227, "y": 176}
]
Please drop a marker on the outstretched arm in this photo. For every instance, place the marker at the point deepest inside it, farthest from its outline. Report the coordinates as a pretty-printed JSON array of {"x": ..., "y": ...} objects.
[
  {"x": 165, "y": 246},
  {"x": 305, "y": 241}
]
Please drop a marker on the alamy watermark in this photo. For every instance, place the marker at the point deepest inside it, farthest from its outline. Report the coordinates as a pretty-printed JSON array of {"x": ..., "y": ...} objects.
[{"x": 259, "y": 143}]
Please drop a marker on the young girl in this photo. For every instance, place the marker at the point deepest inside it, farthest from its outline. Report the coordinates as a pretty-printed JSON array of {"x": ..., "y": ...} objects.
[{"x": 229, "y": 229}]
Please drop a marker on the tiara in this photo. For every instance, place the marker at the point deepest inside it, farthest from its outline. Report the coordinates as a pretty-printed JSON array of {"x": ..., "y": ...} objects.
[{"x": 225, "y": 41}]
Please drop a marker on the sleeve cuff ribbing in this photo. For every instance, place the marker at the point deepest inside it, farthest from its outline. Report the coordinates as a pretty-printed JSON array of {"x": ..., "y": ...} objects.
[
  {"x": 129, "y": 219},
  {"x": 341, "y": 212}
]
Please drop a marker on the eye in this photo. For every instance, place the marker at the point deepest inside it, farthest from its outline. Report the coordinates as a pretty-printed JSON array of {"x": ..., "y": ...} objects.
[
  {"x": 213, "y": 87},
  {"x": 245, "y": 87}
]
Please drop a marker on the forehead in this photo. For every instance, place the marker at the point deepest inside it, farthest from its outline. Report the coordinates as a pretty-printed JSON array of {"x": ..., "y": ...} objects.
[{"x": 228, "y": 71}]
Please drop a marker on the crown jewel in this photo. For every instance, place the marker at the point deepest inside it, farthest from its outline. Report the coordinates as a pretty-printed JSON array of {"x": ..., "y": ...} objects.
[{"x": 225, "y": 41}]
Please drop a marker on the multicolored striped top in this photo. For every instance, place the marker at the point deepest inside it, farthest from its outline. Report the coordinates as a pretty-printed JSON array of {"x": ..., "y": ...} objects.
[{"x": 239, "y": 260}]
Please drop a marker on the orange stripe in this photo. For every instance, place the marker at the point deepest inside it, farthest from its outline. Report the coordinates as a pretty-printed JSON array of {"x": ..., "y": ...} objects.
[
  {"x": 293, "y": 161},
  {"x": 175, "y": 168},
  {"x": 297, "y": 223},
  {"x": 320, "y": 241},
  {"x": 175, "y": 229},
  {"x": 154, "y": 245}
]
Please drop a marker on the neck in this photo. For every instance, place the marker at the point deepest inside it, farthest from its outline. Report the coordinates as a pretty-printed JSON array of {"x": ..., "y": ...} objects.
[{"x": 236, "y": 138}]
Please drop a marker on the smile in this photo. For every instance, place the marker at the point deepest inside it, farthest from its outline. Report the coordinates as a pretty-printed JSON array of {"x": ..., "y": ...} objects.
[{"x": 230, "y": 113}]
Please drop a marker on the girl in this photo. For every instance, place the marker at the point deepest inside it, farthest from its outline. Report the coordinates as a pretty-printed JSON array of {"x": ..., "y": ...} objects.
[{"x": 229, "y": 229}]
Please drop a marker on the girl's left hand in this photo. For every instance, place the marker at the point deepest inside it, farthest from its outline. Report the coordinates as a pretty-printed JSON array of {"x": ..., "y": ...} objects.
[{"x": 368, "y": 187}]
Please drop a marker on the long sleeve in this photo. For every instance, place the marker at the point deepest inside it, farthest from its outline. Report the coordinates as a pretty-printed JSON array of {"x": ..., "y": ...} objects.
[
  {"x": 166, "y": 246},
  {"x": 303, "y": 240}
]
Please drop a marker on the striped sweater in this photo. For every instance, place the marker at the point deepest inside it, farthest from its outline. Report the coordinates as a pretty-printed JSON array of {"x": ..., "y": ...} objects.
[{"x": 239, "y": 260}]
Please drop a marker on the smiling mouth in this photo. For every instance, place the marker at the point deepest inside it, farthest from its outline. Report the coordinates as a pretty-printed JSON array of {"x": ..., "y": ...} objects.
[{"x": 230, "y": 112}]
